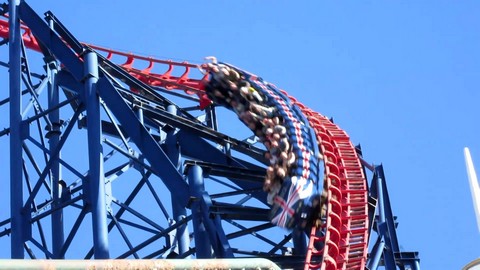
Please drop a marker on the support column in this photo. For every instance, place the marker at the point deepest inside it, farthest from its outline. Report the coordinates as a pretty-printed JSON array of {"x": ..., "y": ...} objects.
[
  {"x": 139, "y": 111},
  {"x": 376, "y": 254},
  {"x": 381, "y": 225},
  {"x": 211, "y": 117},
  {"x": 53, "y": 135},
  {"x": 386, "y": 233},
  {"x": 196, "y": 186},
  {"x": 416, "y": 265},
  {"x": 96, "y": 175},
  {"x": 179, "y": 211},
  {"x": 381, "y": 203},
  {"x": 18, "y": 235}
]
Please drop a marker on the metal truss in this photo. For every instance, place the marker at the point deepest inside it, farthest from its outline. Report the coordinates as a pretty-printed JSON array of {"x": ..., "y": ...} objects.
[
  {"x": 385, "y": 252},
  {"x": 104, "y": 166}
]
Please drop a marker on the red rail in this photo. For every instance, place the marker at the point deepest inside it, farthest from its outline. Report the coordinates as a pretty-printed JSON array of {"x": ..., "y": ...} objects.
[
  {"x": 165, "y": 79},
  {"x": 28, "y": 38},
  {"x": 346, "y": 224},
  {"x": 346, "y": 228}
]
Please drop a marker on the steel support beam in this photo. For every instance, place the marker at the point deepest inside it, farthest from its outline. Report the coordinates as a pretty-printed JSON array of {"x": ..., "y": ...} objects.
[
  {"x": 385, "y": 226},
  {"x": 53, "y": 136},
  {"x": 16, "y": 180},
  {"x": 160, "y": 163},
  {"x": 202, "y": 240},
  {"x": 179, "y": 211},
  {"x": 416, "y": 265},
  {"x": 96, "y": 176},
  {"x": 211, "y": 117},
  {"x": 51, "y": 40},
  {"x": 386, "y": 250},
  {"x": 200, "y": 149},
  {"x": 376, "y": 254},
  {"x": 213, "y": 225}
]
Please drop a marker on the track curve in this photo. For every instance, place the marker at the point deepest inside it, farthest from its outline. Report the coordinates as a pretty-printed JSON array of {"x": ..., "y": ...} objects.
[
  {"x": 344, "y": 230},
  {"x": 346, "y": 227},
  {"x": 345, "y": 197}
]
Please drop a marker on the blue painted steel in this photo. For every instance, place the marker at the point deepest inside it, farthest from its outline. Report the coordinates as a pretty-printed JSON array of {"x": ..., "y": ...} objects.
[
  {"x": 179, "y": 211},
  {"x": 381, "y": 207},
  {"x": 73, "y": 232},
  {"x": 218, "y": 239},
  {"x": 202, "y": 242},
  {"x": 200, "y": 130},
  {"x": 35, "y": 92},
  {"x": 53, "y": 156},
  {"x": 121, "y": 211},
  {"x": 72, "y": 42},
  {"x": 390, "y": 219},
  {"x": 197, "y": 148},
  {"x": 68, "y": 82},
  {"x": 386, "y": 244},
  {"x": 387, "y": 253},
  {"x": 211, "y": 117},
  {"x": 160, "y": 163},
  {"x": 376, "y": 254},
  {"x": 194, "y": 141},
  {"x": 56, "y": 173},
  {"x": 18, "y": 235},
  {"x": 49, "y": 39},
  {"x": 139, "y": 112},
  {"x": 385, "y": 218},
  {"x": 96, "y": 176},
  {"x": 416, "y": 265}
]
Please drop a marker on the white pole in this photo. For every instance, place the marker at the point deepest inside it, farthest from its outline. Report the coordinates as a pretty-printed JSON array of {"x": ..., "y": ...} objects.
[{"x": 472, "y": 178}]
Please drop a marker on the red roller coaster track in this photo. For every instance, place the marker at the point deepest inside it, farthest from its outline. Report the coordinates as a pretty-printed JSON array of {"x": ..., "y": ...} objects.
[{"x": 346, "y": 226}]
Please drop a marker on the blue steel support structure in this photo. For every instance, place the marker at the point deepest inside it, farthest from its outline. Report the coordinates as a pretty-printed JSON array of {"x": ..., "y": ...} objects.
[
  {"x": 150, "y": 136},
  {"x": 179, "y": 211},
  {"x": 386, "y": 251},
  {"x": 16, "y": 184},
  {"x": 95, "y": 152},
  {"x": 53, "y": 136},
  {"x": 197, "y": 188},
  {"x": 146, "y": 156}
]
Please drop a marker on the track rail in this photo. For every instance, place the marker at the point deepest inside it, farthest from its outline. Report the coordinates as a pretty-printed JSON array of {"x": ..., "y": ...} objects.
[
  {"x": 166, "y": 79},
  {"x": 346, "y": 227},
  {"x": 345, "y": 232}
]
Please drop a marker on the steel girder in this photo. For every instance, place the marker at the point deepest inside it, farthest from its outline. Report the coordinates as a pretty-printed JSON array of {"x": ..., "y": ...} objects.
[
  {"x": 385, "y": 250},
  {"x": 83, "y": 194}
]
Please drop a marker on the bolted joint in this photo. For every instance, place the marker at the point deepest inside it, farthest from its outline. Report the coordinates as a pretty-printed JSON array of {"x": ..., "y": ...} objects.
[
  {"x": 54, "y": 129},
  {"x": 51, "y": 62}
]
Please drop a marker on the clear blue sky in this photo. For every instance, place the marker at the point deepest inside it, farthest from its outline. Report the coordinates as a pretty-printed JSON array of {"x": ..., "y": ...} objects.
[{"x": 401, "y": 77}]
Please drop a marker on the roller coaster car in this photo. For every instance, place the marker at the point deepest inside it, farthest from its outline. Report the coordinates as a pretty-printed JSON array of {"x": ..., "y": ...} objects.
[{"x": 295, "y": 202}]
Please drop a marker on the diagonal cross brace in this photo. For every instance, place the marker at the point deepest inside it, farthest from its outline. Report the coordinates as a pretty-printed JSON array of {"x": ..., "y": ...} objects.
[
  {"x": 154, "y": 154},
  {"x": 161, "y": 164}
]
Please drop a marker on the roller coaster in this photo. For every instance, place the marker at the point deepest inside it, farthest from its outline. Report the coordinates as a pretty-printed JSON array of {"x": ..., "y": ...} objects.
[{"x": 116, "y": 155}]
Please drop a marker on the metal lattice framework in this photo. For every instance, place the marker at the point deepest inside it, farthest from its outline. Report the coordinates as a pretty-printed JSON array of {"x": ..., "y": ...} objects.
[{"x": 109, "y": 160}]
